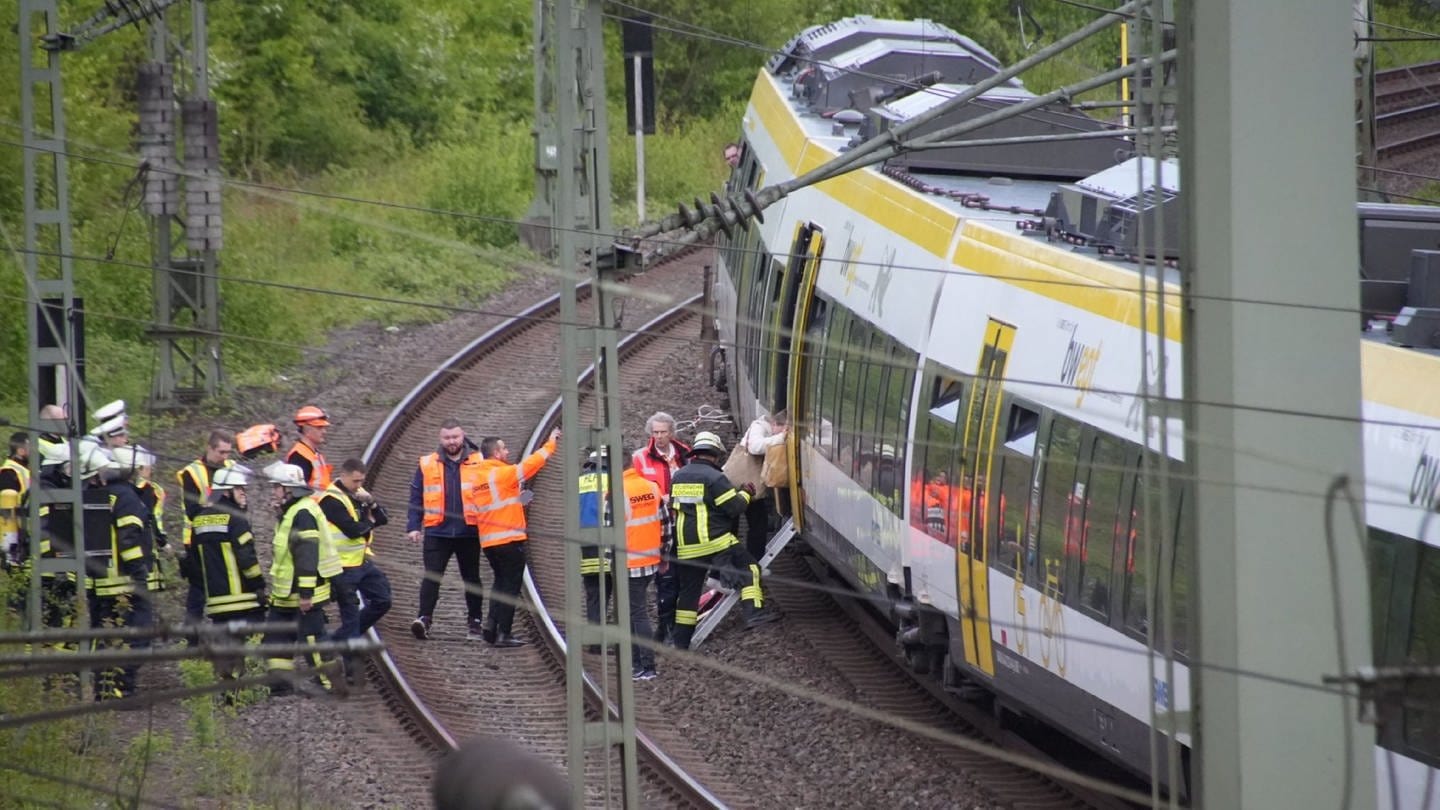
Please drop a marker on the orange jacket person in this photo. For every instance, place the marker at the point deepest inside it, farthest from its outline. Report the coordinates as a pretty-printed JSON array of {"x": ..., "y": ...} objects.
[
  {"x": 499, "y": 507},
  {"x": 312, "y": 423}
]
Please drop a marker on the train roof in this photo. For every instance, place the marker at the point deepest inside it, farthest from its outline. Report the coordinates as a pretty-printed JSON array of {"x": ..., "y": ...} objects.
[{"x": 1059, "y": 191}]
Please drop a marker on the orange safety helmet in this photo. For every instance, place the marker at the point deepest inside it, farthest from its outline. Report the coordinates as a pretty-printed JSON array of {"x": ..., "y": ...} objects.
[{"x": 313, "y": 416}]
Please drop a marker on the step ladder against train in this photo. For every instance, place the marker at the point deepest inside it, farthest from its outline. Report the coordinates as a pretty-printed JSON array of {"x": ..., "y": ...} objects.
[{"x": 711, "y": 619}]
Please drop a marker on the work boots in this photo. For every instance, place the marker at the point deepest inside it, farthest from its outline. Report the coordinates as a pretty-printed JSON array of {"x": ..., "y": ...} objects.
[{"x": 754, "y": 617}]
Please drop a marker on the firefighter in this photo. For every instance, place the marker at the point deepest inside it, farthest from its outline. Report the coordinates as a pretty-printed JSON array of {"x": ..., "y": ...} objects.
[
  {"x": 118, "y": 593},
  {"x": 595, "y": 563},
  {"x": 499, "y": 505},
  {"x": 303, "y": 563},
  {"x": 153, "y": 496},
  {"x": 661, "y": 456},
  {"x": 707, "y": 511},
  {"x": 225, "y": 559},
  {"x": 312, "y": 423},
  {"x": 194, "y": 480},
  {"x": 14, "y": 494},
  {"x": 57, "y": 537},
  {"x": 353, "y": 515}
]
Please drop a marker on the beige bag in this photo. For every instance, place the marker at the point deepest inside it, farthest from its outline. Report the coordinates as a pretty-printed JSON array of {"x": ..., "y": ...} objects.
[
  {"x": 776, "y": 469},
  {"x": 743, "y": 468}
]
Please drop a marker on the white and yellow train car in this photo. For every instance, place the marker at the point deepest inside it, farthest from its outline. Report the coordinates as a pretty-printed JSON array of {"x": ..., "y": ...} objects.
[{"x": 971, "y": 445}]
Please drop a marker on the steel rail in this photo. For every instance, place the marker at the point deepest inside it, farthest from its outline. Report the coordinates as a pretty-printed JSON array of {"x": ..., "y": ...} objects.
[
  {"x": 390, "y": 672},
  {"x": 556, "y": 639}
]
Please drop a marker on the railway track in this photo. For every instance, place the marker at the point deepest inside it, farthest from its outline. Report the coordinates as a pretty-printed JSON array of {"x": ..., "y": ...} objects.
[
  {"x": 1407, "y": 106},
  {"x": 446, "y": 689}
]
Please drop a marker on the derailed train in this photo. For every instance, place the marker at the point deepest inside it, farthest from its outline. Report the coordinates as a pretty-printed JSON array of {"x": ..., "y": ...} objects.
[{"x": 957, "y": 338}]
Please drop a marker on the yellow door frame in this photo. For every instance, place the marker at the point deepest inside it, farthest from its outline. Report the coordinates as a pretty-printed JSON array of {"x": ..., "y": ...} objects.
[
  {"x": 982, "y": 432},
  {"x": 796, "y": 393}
]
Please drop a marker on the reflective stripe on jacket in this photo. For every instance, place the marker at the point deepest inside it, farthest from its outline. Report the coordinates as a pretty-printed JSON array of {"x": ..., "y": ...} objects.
[
  {"x": 229, "y": 568},
  {"x": 199, "y": 476},
  {"x": 22, "y": 472},
  {"x": 128, "y": 560},
  {"x": 432, "y": 474},
  {"x": 319, "y": 468},
  {"x": 707, "y": 510},
  {"x": 352, "y": 550},
  {"x": 642, "y": 522},
  {"x": 304, "y": 556},
  {"x": 497, "y": 498},
  {"x": 594, "y": 503}
]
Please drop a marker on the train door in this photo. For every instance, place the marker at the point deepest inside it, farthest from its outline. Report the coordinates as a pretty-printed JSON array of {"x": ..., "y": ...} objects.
[
  {"x": 792, "y": 323},
  {"x": 982, "y": 422}
]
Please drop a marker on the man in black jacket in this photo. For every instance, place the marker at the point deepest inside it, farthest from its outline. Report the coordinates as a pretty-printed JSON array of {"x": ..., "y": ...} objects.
[{"x": 438, "y": 517}]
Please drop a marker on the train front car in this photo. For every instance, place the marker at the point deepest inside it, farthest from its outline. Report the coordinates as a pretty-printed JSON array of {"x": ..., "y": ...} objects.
[{"x": 964, "y": 338}]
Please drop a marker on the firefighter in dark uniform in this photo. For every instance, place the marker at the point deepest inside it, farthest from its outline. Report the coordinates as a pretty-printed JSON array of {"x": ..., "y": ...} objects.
[
  {"x": 153, "y": 496},
  {"x": 594, "y": 512},
  {"x": 118, "y": 593},
  {"x": 303, "y": 563},
  {"x": 707, "y": 512},
  {"x": 14, "y": 494},
  {"x": 57, "y": 538},
  {"x": 194, "y": 480},
  {"x": 225, "y": 560}
]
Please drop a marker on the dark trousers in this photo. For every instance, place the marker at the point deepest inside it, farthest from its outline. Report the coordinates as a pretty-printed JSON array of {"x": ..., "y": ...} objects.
[
  {"x": 127, "y": 610},
  {"x": 592, "y": 595},
  {"x": 734, "y": 566},
  {"x": 232, "y": 668},
  {"x": 508, "y": 562},
  {"x": 757, "y": 525},
  {"x": 437, "y": 551},
  {"x": 307, "y": 628},
  {"x": 195, "y": 603},
  {"x": 667, "y": 590},
  {"x": 641, "y": 657},
  {"x": 364, "y": 581}
]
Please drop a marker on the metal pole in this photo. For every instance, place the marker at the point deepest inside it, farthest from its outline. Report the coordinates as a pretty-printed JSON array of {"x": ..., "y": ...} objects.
[
  {"x": 1273, "y": 218},
  {"x": 1365, "y": 94},
  {"x": 47, "y": 228},
  {"x": 639, "y": 141}
]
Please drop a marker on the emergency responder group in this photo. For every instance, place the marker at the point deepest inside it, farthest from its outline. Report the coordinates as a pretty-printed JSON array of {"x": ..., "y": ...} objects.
[
  {"x": 681, "y": 521},
  {"x": 321, "y": 547}
]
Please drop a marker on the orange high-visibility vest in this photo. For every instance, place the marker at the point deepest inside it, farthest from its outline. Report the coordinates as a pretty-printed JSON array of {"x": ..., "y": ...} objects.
[
  {"x": 642, "y": 520},
  {"x": 319, "y": 469},
  {"x": 432, "y": 477},
  {"x": 497, "y": 497}
]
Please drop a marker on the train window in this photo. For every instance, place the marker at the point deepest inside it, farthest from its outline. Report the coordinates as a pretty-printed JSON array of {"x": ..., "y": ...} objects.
[
  {"x": 1108, "y": 467},
  {"x": 1141, "y": 555},
  {"x": 766, "y": 322},
  {"x": 938, "y": 506},
  {"x": 1060, "y": 509},
  {"x": 814, "y": 369},
  {"x": 852, "y": 389},
  {"x": 830, "y": 382},
  {"x": 1383, "y": 554},
  {"x": 1016, "y": 462},
  {"x": 872, "y": 399},
  {"x": 896, "y": 414},
  {"x": 1181, "y": 580},
  {"x": 1422, "y": 712}
]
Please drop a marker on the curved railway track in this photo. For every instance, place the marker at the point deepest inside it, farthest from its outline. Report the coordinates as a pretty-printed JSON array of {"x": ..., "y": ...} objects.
[{"x": 447, "y": 689}]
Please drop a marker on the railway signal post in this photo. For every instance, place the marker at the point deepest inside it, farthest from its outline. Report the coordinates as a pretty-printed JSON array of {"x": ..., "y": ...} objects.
[
  {"x": 581, "y": 221},
  {"x": 1281, "y": 595}
]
